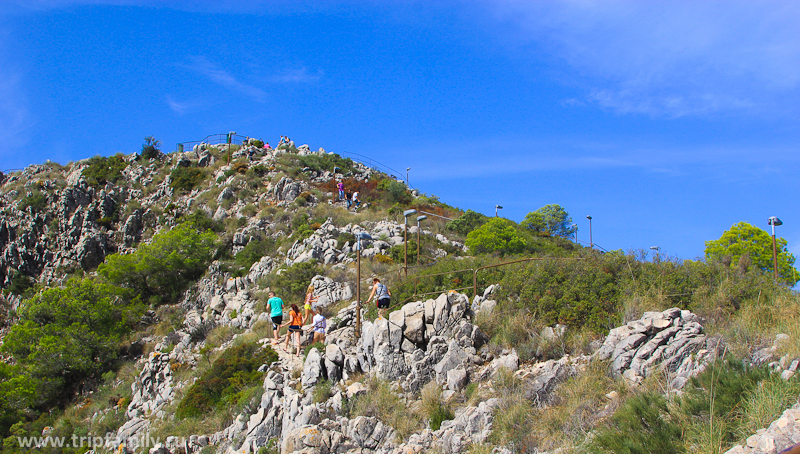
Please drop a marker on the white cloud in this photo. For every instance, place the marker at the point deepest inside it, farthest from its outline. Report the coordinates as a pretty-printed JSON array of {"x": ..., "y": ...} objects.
[{"x": 668, "y": 58}]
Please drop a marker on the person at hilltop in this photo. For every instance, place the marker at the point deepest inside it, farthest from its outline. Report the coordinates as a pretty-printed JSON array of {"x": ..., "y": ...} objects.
[
  {"x": 356, "y": 200},
  {"x": 310, "y": 298},
  {"x": 275, "y": 313},
  {"x": 340, "y": 185},
  {"x": 382, "y": 296},
  {"x": 347, "y": 197},
  {"x": 295, "y": 323}
]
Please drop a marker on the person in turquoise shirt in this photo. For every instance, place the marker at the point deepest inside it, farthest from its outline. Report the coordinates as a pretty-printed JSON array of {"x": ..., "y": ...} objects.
[{"x": 276, "y": 313}]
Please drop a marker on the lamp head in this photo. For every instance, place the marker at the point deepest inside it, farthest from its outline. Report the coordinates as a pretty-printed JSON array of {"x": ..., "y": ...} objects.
[
  {"x": 773, "y": 220},
  {"x": 408, "y": 213},
  {"x": 421, "y": 218},
  {"x": 589, "y": 217},
  {"x": 498, "y": 207},
  {"x": 364, "y": 236},
  {"x": 655, "y": 248}
]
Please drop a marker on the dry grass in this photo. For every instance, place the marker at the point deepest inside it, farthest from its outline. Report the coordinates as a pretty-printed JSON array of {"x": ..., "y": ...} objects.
[
  {"x": 383, "y": 403},
  {"x": 758, "y": 322}
]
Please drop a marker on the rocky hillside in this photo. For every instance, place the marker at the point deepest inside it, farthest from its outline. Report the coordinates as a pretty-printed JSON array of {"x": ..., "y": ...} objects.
[{"x": 135, "y": 320}]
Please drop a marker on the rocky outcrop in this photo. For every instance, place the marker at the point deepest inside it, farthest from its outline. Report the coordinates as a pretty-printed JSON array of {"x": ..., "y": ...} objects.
[
  {"x": 153, "y": 389},
  {"x": 665, "y": 340},
  {"x": 782, "y": 434}
]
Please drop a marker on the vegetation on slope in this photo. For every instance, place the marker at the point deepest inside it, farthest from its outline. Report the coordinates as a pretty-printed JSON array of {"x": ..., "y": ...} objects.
[{"x": 70, "y": 339}]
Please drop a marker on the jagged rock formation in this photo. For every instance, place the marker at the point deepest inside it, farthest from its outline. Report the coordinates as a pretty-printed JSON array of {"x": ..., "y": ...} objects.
[{"x": 671, "y": 340}]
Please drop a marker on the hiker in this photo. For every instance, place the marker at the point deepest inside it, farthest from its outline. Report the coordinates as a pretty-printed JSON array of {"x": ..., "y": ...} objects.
[
  {"x": 382, "y": 295},
  {"x": 319, "y": 324},
  {"x": 355, "y": 200},
  {"x": 295, "y": 323},
  {"x": 340, "y": 185},
  {"x": 347, "y": 197},
  {"x": 276, "y": 313},
  {"x": 310, "y": 298}
]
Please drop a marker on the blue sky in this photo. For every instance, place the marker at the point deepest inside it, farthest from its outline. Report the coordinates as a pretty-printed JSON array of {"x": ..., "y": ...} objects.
[{"x": 666, "y": 121}]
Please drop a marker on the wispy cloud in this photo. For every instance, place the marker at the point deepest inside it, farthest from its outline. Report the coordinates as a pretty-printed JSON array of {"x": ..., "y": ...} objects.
[
  {"x": 300, "y": 75},
  {"x": 219, "y": 76},
  {"x": 668, "y": 58},
  {"x": 181, "y": 107}
]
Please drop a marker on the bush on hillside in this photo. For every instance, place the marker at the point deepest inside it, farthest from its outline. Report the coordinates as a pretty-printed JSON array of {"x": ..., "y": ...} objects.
[
  {"x": 17, "y": 392},
  {"x": 496, "y": 235},
  {"x": 643, "y": 424},
  {"x": 203, "y": 222},
  {"x": 102, "y": 170},
  {"x": 66, "y": 335},
  {"x": 291, "y": 284},
  {"x": 37, "y": 202},
  {"x": 252, "y": 253},
  {"x": 162, "y": 270},
  {"x": 186, "y": 178},
  {"x": 151, "y": 148},
  {"x": 394, "y": 191},
  {"x": 467, "y": 222},
  {"x": 231, "y": 375}
]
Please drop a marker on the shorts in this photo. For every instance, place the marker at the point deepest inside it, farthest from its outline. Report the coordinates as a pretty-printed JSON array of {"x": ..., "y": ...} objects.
[
  {"x": 294, "y": 328},
  {"x": 383, "y": 303},
  {"x": 308, "y": 307},
  {"x": 276, "y": 320}
]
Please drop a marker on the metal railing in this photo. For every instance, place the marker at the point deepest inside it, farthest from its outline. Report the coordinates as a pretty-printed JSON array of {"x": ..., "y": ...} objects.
[
  {"x": 212, "y": 139},
  {"x": 369, "y": 162}
]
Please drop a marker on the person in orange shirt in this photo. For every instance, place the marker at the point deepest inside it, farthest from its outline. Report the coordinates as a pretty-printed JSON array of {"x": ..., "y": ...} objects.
[{"x": 295, "y": 323}]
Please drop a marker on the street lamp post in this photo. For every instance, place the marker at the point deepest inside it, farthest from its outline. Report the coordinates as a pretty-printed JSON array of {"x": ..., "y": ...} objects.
[
  {"x": 591, "y": 242},
  {"x": 359, "y": 237},
  {"x": 656, "y": 248},
  {"x": 407, "y": 183},
  {"x": 773, "y": 221},
  {"x": 497, "y": 207},
  {"x": 419, "y": 218},
  {"x": 575, "y": 226},
  {"x": 406, "y": 214}
]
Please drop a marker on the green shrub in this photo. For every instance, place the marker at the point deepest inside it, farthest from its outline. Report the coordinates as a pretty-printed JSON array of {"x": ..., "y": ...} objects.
[
  {"x": 394, "y": 192},
  {"x": 713, "y": 402},
  {"x": 186, "y": 178},
  {"x": 496, "y": 235},
  {"x": 102, "y": 170},
  {"x": 233, "y": 373},
  {"x": 151, "y": 148},
  {"x": 467, "y": 222},
  {"x": 37, "y": 202},
  {"x": 203, "y": 222},
  {"x": 162, "y": 270},
  {"x": 642, "y": 425},
  {"x": 292, "y": 283},
  {"x": 68, "y": 334},
  {"x": 323, "y": 391},
  {"x": 252, "y": 253},
  {"x": 21, "y": 284}
]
